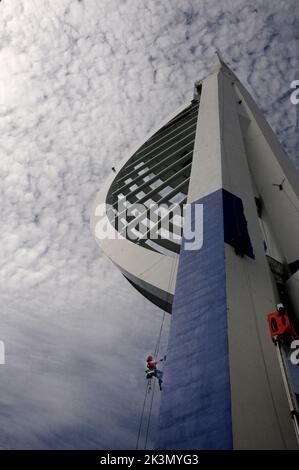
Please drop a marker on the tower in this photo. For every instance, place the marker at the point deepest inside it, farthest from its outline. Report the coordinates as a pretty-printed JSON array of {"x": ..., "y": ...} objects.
[{"x": 202, "y": 218}]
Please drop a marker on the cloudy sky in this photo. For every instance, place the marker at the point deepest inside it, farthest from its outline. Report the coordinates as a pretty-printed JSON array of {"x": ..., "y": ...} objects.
[{"x": 82, "y": 81}]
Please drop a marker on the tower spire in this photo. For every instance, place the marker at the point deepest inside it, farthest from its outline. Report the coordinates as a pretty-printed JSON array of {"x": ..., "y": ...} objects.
[
  {"x": 219, "y": 64},
  {"x": 217, "y": 61}
]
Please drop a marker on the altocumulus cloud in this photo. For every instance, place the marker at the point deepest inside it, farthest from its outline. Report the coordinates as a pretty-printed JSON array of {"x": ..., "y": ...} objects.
[{"x": 80, "y": 83}]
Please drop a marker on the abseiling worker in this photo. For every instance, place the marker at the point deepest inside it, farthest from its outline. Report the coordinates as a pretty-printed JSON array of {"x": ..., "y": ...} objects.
[{"x": 152, "y": 370}]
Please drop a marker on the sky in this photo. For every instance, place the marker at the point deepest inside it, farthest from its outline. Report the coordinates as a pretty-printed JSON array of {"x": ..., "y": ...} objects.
[{"x": 81, "y": 82}]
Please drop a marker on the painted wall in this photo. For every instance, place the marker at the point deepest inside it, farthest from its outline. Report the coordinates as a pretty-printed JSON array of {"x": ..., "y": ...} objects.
[
  {"x": 231, "y": 153},
  {"x": 196, "y": 402}
]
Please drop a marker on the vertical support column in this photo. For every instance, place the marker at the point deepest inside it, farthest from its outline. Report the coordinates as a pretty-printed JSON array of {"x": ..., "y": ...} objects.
[
  {"x": 223, "y": 388},
  {"x": 196, "y": 404}
]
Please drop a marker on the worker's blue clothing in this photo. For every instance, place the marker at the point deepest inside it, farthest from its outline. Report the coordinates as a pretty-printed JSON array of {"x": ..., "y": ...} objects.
[
  {"x": 159, "y": 374},
  {"x": 154, "y": 372}
]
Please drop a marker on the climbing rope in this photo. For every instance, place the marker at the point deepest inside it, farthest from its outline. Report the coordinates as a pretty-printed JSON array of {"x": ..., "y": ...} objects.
[
  {"x": 157, "y": 347},
  {"x": 149, "y": 415},
  {"x": 142, "y": 413},
  {"x": 148, "y": 385}
]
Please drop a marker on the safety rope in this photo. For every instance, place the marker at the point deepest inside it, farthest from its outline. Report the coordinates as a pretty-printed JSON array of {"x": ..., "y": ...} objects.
[
  {"x": 156, "y": 352},
  {"x": 142, "y": 414},
  {"x": 149, "y": 415}
]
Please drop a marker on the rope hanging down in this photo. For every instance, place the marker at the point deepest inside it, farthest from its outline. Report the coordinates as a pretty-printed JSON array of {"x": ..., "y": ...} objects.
[{"x": 148, "y": 385}]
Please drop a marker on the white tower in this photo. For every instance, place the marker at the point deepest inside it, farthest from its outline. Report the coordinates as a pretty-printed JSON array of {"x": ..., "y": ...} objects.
[{"x": 224, "y": 385}]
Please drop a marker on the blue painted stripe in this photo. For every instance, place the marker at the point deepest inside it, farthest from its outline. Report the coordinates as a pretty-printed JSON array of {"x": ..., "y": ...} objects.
[
  {"x": 195, "y": 408},
  {"x": 235, "y": 224}
]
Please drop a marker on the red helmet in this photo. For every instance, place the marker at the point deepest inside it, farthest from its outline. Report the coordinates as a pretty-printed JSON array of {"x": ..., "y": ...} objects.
[{"x": 149, "y": 358}]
